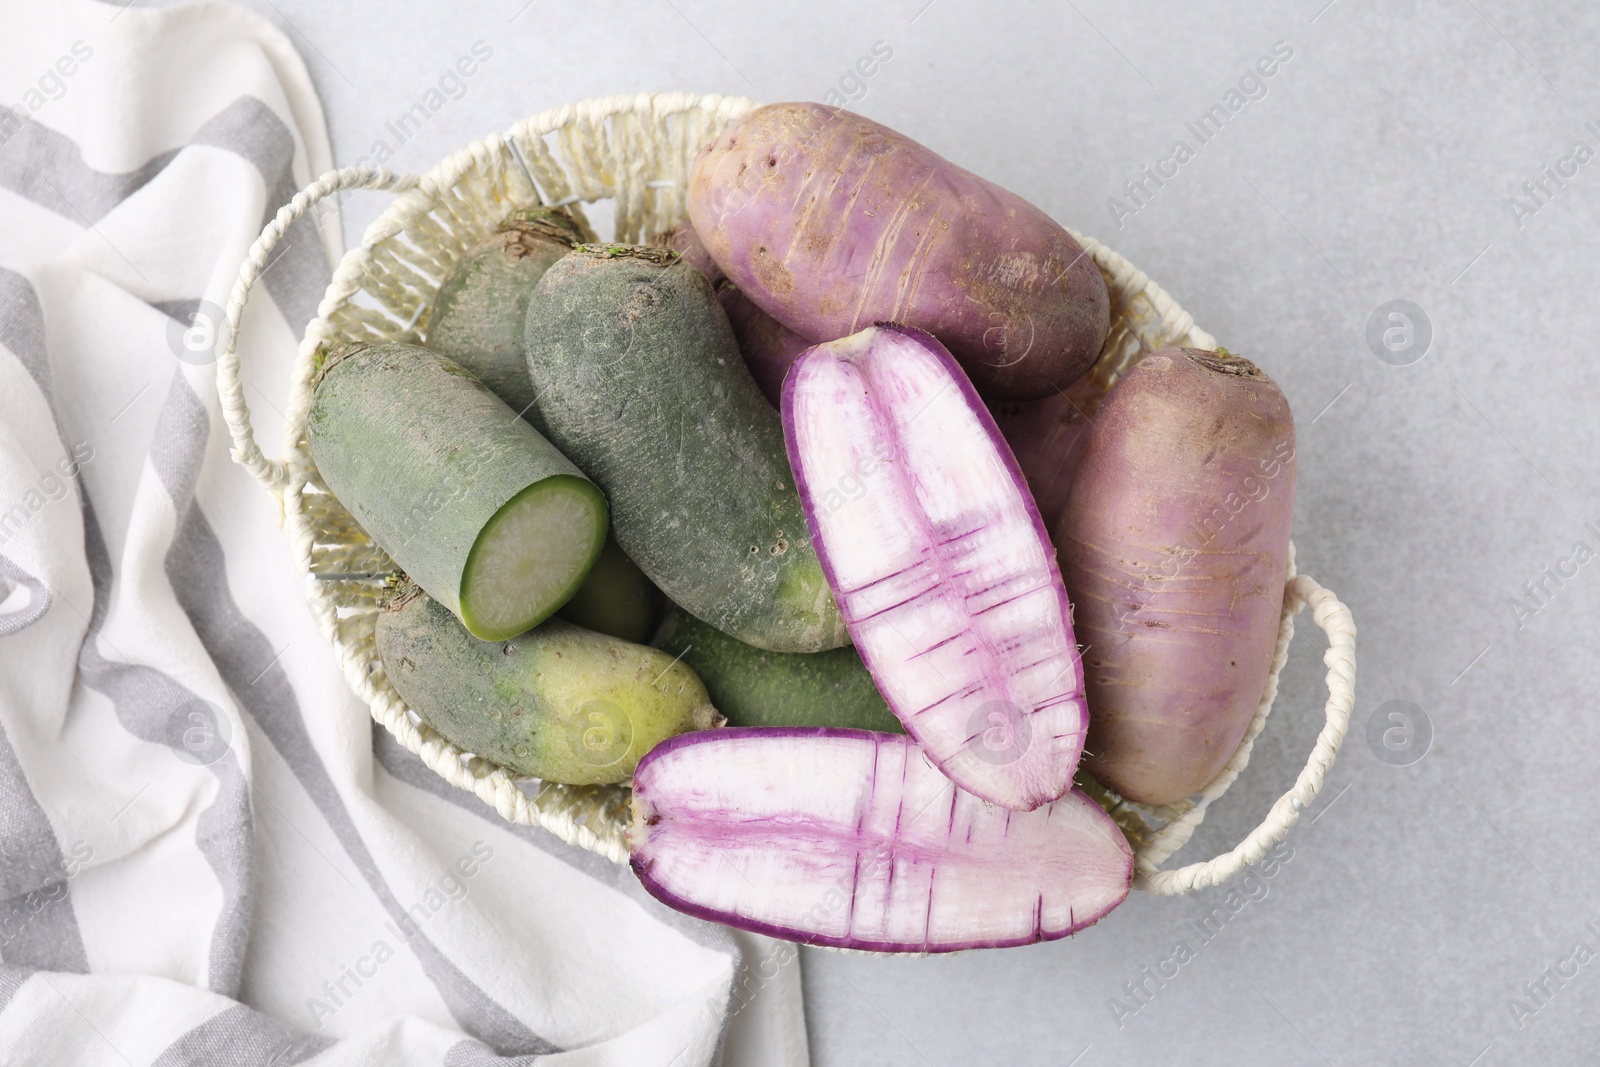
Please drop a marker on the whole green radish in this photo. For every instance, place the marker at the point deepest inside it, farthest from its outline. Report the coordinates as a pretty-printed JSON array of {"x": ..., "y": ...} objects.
[
  {"x": 754, "y": 687},
  {"x": 641, "y": 384},
  {"x": 1174, "y": 546},
  {"x": 831, "y": 223},
  {"x": 559, "y": 702},
  {"x": 476, "y": 506},
  {"x": 477, "y": 317}
]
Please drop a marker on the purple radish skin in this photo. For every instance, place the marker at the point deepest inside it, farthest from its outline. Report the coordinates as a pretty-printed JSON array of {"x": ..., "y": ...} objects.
[
  {"x": 831, "y": 222},
  {"x": 1047, "y": 436},
  {"x": 851, "y": 839},
  {"x": 1175, "y": 548},
  {"x": 939, "y": 562}
]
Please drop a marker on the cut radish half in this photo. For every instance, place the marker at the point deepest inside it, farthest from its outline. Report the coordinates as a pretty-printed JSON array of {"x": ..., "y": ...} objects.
[
  {"x": 945, "y": 575},
  {"x": 852, "y": 839}
]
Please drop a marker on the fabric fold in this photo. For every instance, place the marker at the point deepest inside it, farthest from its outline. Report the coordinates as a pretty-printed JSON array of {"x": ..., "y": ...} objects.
[{"x": 207, "y": 852}]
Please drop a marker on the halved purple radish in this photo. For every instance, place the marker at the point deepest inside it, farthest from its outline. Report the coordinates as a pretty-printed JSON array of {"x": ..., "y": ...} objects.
[
  {"x": 852, "y": 839},
  {"x": 937, "y": 558}
]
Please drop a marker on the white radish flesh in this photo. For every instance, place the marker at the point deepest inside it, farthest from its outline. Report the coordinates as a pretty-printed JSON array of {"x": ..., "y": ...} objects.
[
  {"x": 939, "y": 562},
  {"x": 852, "y": 839}
]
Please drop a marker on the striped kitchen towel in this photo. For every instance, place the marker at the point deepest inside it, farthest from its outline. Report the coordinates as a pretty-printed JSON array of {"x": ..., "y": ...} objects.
[{"x": 208, "y": 853}]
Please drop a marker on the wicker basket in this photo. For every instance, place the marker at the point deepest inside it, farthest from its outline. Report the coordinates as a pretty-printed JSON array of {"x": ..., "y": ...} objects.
[{"x": 636, "y": 152}]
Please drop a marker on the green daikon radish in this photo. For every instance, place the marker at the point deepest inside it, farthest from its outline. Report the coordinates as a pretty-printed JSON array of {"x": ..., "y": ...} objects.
[
  {"x": 559, "y": 702},
  {"x": 477, "y": 317},
  {"x": 641, "y": 383}
]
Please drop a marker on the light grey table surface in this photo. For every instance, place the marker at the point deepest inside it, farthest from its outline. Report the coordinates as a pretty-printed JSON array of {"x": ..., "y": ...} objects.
[{"x": 1378, "y": 162}]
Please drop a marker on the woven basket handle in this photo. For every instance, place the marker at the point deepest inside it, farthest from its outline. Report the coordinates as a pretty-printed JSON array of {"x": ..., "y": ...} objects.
[
  {"x": 246, "y": 452},
  {"x": 1335, "y": 619}
]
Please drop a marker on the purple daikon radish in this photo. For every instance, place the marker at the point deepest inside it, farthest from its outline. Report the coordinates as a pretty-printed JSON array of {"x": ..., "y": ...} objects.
[
  {"x": 938, "y": 560},
  {"x": 851, "y": 839}
]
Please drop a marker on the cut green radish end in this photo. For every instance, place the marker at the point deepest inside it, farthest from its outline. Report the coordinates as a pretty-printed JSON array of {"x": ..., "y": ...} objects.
[{"x": 532, "y": 556}]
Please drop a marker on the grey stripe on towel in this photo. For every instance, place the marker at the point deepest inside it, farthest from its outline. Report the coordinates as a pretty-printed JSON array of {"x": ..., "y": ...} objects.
[
  {"x": 47, "y": 167},
  {"x": 153, "y": 706},
  {"x": 38, "y": 925},
  {"x": 241, "y": 1037}
]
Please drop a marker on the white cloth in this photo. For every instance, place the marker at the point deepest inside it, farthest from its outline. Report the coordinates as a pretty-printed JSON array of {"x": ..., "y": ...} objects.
[{"x": 208, "y": 853}]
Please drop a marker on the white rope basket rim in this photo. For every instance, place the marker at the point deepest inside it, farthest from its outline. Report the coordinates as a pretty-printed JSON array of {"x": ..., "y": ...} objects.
[{"x": 435, "y": 216}]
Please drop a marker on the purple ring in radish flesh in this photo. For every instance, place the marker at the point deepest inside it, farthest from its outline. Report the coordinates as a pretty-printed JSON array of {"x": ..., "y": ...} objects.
[
  {"x": 938, "y": 560},
  {"x": 851, "y": 839}
]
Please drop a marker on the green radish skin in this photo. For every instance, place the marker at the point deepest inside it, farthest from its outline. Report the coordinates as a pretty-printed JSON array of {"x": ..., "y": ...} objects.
[
  {"x": 768, "y": 346},
  {"x": 754, "y": 687},
  {"x": 559, "y": 702},
  {"x": 478, "y": 315},
  {"x": 616, "y": 599},
  {"x": 641, "y": 383},
  {"x": 471, "y": 501}
]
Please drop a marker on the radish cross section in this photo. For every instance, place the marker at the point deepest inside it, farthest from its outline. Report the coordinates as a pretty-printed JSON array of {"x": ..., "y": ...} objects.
[
  {"x": 852, "y": 839},
  {"x": 939, "y": 562}
]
